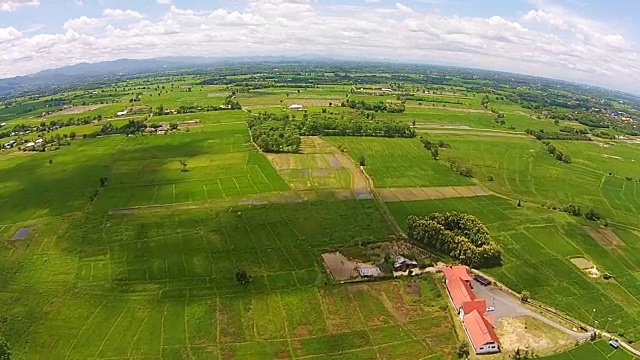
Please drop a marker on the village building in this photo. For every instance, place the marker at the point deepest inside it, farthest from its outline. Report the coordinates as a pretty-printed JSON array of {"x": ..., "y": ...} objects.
[
  {"x": 296, "y": 107},
  {"x": 403, "y": 264},
  {"x": 472, "y": 310}
]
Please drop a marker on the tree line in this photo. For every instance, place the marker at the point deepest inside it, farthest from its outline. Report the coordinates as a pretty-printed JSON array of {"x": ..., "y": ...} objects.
[
  {"x": 377, "y": 106},
  {"x": 559, "y": 155},
  {"x": 460, "y": 236},
  {"x": 281, "y": 132},
  {"x": 132, "y": 127},
  {"x": 544, "y": 135}
]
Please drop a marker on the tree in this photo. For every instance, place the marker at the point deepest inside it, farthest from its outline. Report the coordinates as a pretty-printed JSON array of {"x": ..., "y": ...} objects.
[
  {"x": 463, "y": 350},
  {"x": 362, "y": 161},
  {"x": 242, "y": 277},
  {"x": 184, "y": 164},
  {"x": 489, "y": 177},
  {"x": 435, "y": 153},
  {"x": 519, "y": 203},
  {"x": 5, "y": 352},
  {"x": 72, "y": 135},
  {"x": 522, "y": 354},
  {"x": 525, "y": 296}
]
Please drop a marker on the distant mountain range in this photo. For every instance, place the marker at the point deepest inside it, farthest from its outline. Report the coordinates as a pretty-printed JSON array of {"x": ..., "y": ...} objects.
[{"x": 85, "y": 72}]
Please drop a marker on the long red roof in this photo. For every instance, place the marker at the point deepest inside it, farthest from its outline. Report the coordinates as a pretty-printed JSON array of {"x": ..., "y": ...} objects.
[{"x": 479, "y": 329}]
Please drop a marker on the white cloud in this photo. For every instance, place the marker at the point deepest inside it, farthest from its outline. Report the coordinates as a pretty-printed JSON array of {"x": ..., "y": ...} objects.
[
  {"x": 8, "y": 34},
  {"x": 13, "y": 5},
  {"x": 122, "y": 14},
  {"x": 404, "y": 8},
  {"x": 573, "y": 49},
  {"x": 82, "y": 23},
  {"x": 163, "y": 2}
]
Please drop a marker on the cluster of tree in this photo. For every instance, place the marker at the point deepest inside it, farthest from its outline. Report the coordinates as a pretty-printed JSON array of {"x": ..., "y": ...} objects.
[
  {"x": 433, "y": 147},
  {"x": 604, "y": 135},
  {"x": 379, "y": 106},
  {"x": 132, "y": 127},
  {"x": 274, "y": 133},
  {"x": 575, "y": 210},
  {"x": 543, "y": 135},
  {"x": 559, "y": 155},
  {"x": 485, "y": 102},
  {"x": 464, "y": 170},
  {"x": 572, "y": 130},
  {"x": 461, "y": 236},
  {"x": 44, "y": 126}
]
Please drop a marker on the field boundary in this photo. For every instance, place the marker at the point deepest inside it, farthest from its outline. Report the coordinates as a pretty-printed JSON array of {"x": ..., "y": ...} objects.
[{"x": 431, "y": 193}]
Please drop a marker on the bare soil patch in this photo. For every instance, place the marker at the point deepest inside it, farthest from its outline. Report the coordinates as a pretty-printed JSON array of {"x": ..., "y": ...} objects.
[
  {"x": 320, "y": 159},
  {"x": 582, "y": 263},
  {"x": 466, "y": 110},
  {"x": 79, "y": 109},
  {"x": 342, "y": 268},
  {"x": 604, "y": 236},
  {"x": 315, "y": 145},
  {"x": 429, "y": 193},
  {"x": 527, "y": 332}
]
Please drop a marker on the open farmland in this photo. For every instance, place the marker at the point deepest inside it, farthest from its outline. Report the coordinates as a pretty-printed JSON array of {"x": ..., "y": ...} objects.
[
  {"x": 537, "y": 247},
  {"x": 135, "y": 239},
  {"x": 399, "y": 162},
  {"x": 599, "y": 350},
  {"x": 603, "y": 178}
]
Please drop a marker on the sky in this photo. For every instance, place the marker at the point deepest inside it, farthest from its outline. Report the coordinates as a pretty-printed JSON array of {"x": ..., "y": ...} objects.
[{"x": 588, "y": 41}]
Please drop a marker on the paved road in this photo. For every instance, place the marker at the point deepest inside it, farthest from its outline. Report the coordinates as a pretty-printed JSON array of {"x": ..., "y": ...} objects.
[{"x": 508, "y": 306}]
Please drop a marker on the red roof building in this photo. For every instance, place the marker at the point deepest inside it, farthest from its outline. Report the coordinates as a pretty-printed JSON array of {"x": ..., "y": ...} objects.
[
  {"x": 477, "y": 324},
  {"x": 483, "y": 338}
]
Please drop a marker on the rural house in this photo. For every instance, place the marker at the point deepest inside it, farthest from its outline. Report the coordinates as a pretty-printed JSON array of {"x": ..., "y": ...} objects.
[
  {"x": 403, "y": 264},
  {"x": 296, "y": 107},
  {"x": 472, "y": 310}
]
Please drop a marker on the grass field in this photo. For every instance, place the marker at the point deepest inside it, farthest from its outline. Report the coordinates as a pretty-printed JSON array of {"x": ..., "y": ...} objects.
[
  {"x": 537, "y": 246},
  {"x": 399, "y": 162},
  {"x": 599, "y": 350},
  {"x": 522, "y": 168}
]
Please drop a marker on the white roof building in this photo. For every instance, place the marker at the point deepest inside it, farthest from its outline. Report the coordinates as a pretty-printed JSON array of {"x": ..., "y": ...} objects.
[
  {"x": 296, "y": 107},
  {"x": 30, "y": 144}
]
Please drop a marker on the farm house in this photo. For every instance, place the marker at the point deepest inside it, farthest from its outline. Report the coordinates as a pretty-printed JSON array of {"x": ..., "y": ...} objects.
[
  {"x": 471, "y": 309},
  {"x": 402, "y": 264},
  {"x": 296, "y": 107}
]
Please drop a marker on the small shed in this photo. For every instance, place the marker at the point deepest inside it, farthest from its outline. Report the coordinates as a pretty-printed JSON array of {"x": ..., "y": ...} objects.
[
  {"x": 30, "y": 144},
  {"x": 369, "y": 271},
  {"x": 296, "y": 107},
  {"x": 402, "y": 264}
]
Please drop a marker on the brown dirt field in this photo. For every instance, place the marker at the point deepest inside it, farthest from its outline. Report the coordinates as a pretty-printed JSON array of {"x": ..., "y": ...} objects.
[
  {"x": 449, "y": 108},
  {"x": 582, "y": 263},
  {"x": 527, "y": 332},
  {"x": 344, "y": 194},
  {"x": 429, "y": 193},
  {"x": 339, "y": 266},
  {"x": 319, "y": 155},
  {"x": 312, "y": 102},
  {"x": 315, "y": 145},
  {"x": 604, "y": 236},
  {"x": 79, "y": 109}
]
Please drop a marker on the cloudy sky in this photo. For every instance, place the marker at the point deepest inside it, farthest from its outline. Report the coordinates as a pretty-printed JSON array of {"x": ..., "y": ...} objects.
[{"x": 589, "y": 41}]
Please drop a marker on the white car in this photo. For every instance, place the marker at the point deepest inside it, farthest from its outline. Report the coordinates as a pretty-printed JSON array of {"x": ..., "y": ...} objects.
[{"x": 490, "y": 309}]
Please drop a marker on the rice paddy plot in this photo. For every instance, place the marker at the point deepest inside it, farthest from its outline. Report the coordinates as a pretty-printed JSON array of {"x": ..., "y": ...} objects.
[
  {"x": 399, "y": 162},
  {"x": 522, "y": 168}
]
